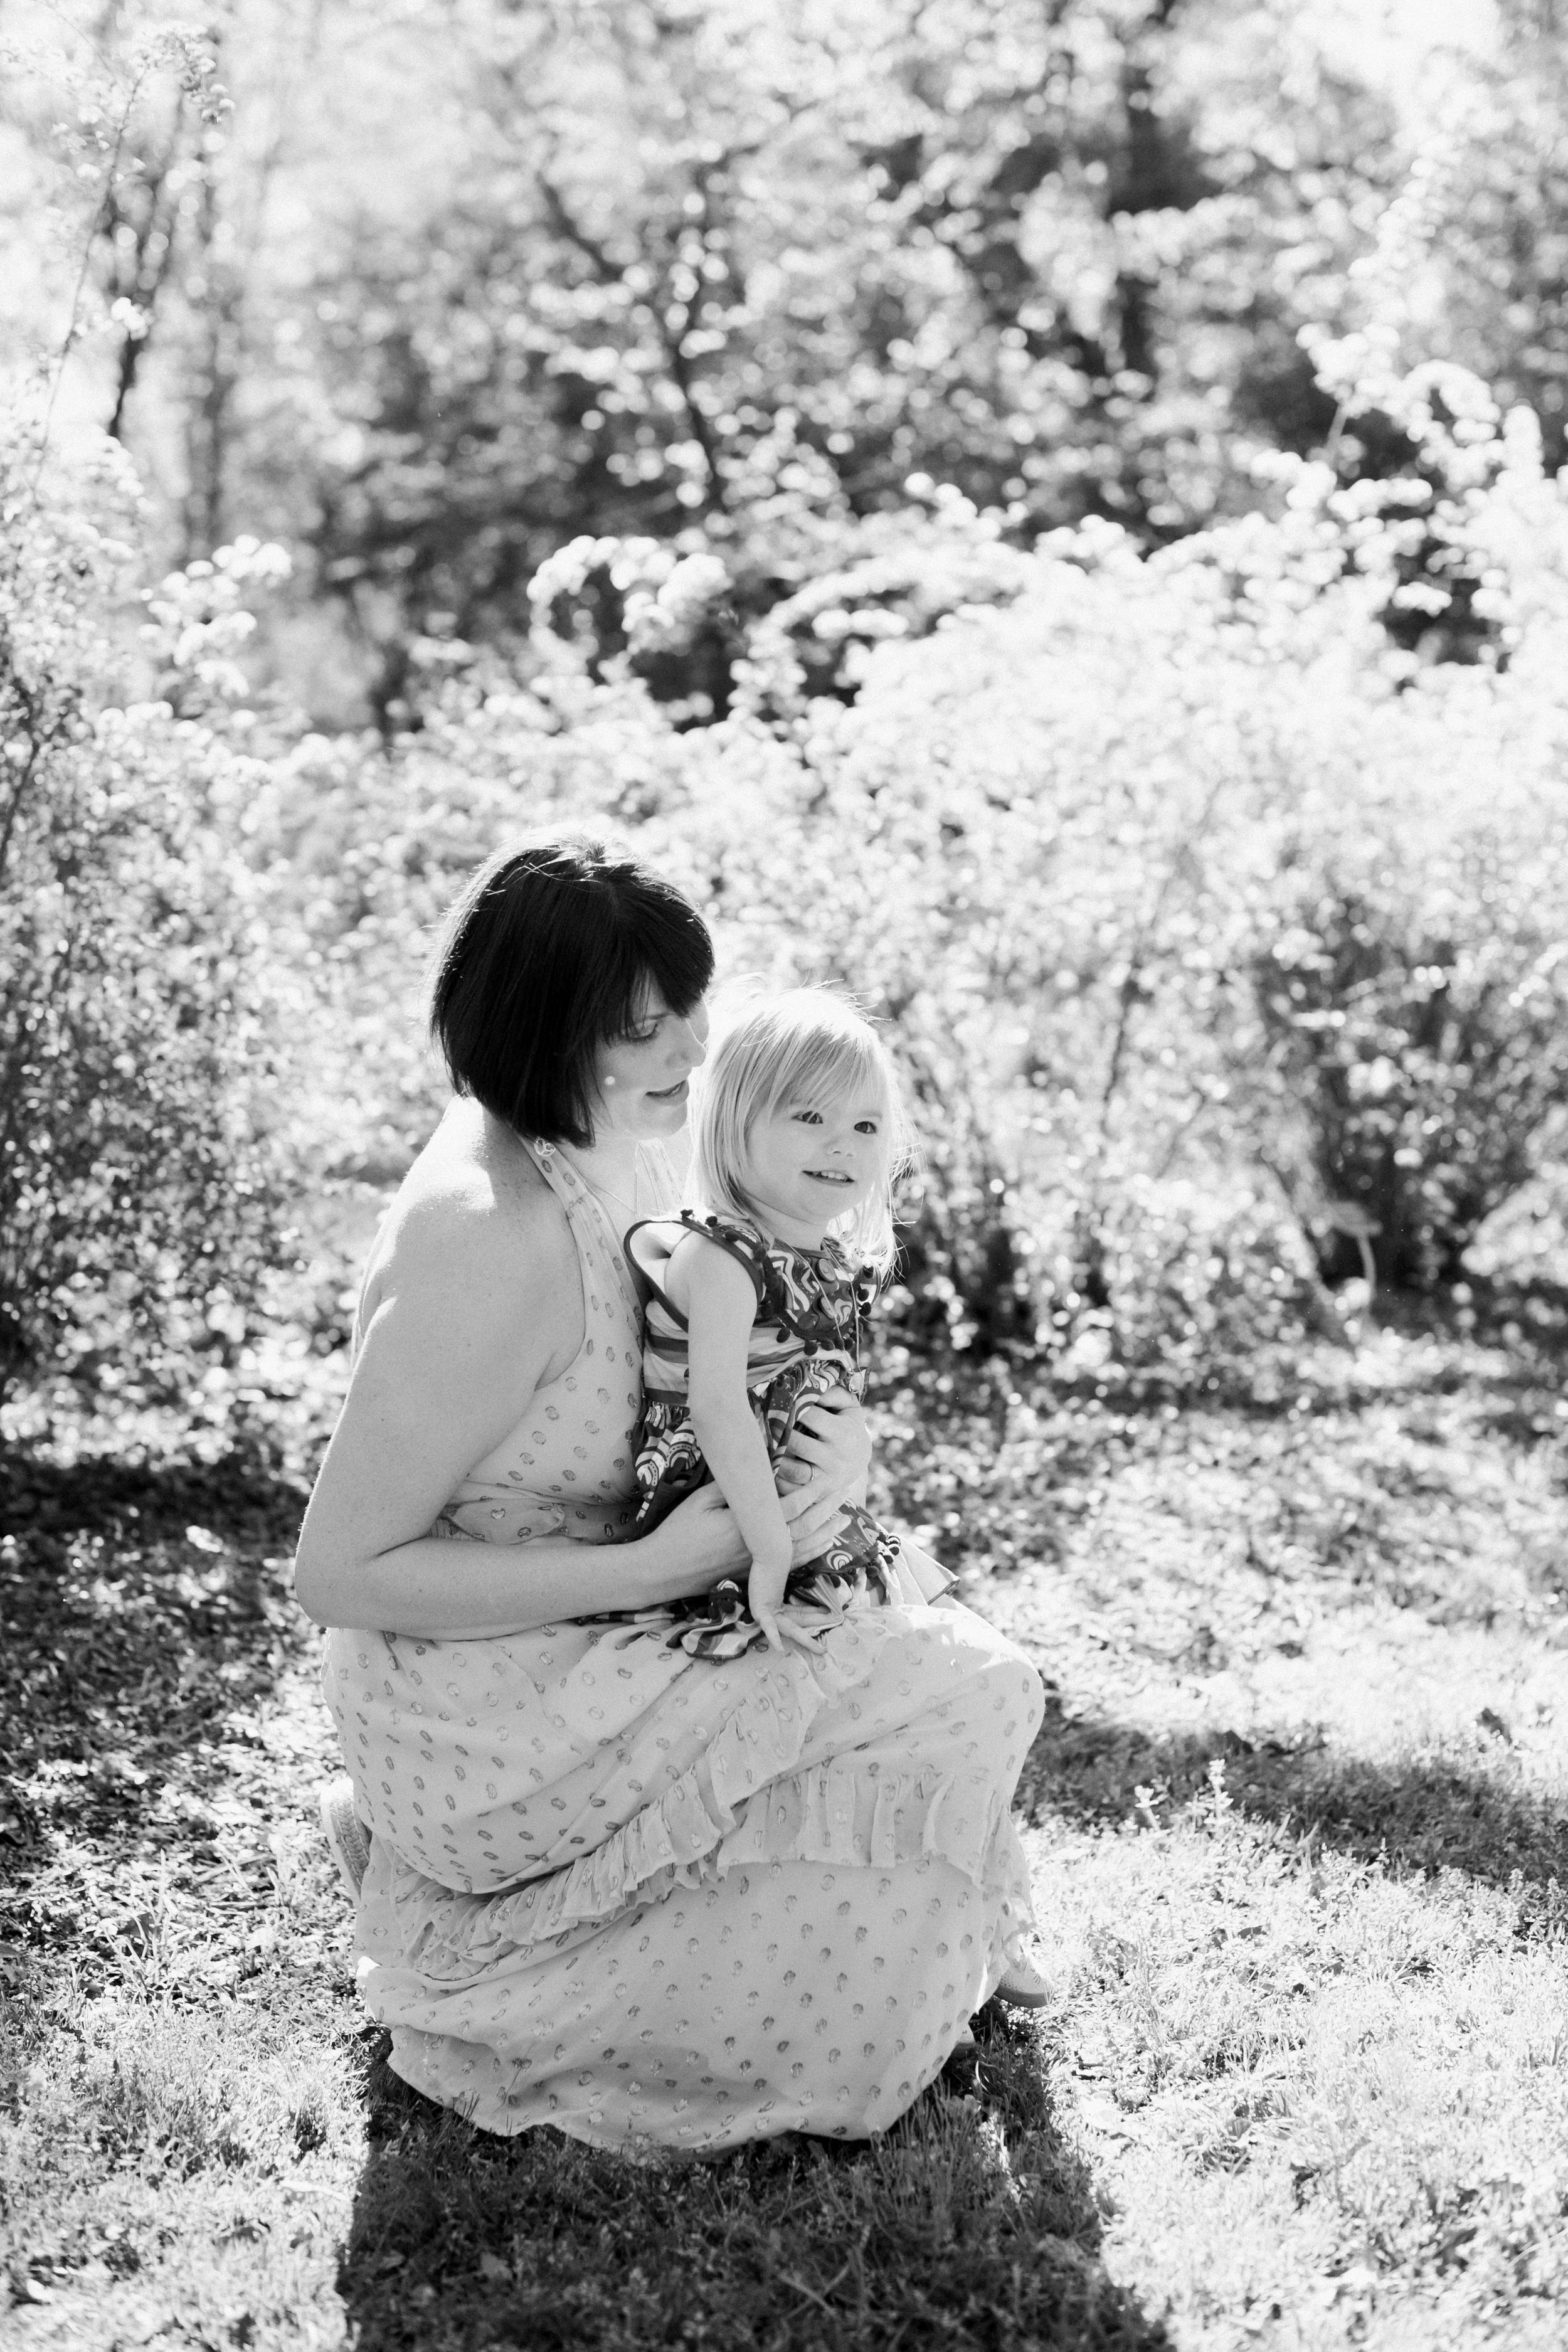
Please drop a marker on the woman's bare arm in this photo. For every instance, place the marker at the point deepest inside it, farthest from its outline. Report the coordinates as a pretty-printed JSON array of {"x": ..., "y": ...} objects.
[
  {"x": 476, "y": 1309},
  {"x": 447, "y": 1590}
]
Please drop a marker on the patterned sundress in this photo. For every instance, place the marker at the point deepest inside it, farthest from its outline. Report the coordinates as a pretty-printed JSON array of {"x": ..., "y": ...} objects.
[
  {"x": 805, "y": 1339},
  {"x": 662, "y": 1902}
]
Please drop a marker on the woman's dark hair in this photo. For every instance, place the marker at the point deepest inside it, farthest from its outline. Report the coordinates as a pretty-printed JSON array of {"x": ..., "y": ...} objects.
[{"x": 544, "y": 959}]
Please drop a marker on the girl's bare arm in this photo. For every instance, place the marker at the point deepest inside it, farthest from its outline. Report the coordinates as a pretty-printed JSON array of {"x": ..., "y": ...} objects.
[{"x": 716, "y": 1296}]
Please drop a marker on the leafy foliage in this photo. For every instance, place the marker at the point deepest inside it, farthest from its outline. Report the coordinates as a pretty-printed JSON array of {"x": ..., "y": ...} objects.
[
  {"x": 732, "y": 281},
  {"x": 1065, "y": 834},
  {"x": 1098, "y": 816},
  {"x": 1105, "y": 840},
  {"x": 1426, "y": 1048},
  {"x": 135, "y": 1195}
]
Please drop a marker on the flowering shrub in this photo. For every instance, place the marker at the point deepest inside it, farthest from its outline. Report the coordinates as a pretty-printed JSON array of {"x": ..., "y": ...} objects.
[
  {"x": 900, "y": 576},
  {"x": 639, "y": 606},
  {"x": 135, "y": 1194},
  {"x": 694, "y": 633},
  {"x": 1066, "y": 843},
  {"x": 1422, "y": 1038},
  {"x": 1184, "y": 894},
  {"x": 1078, "y": 847},
  {"x": 1201, "y": 1283},
  {"x": 198, "y": 623}
]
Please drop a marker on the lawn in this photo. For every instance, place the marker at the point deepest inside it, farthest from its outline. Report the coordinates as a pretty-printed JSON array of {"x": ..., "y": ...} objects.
[{"x": 1297, "y": 1826}]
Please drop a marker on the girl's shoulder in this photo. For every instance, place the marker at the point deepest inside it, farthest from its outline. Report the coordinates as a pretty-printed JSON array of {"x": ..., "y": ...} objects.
[
  {"x": 665, "y": 1250},
  {"x": 735, "y": 1236},
  {"x": 728, "y": 1229}
]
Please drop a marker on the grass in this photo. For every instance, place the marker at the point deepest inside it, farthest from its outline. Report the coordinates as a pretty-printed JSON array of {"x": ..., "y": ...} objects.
[{"x": 1297, "y": 1822}]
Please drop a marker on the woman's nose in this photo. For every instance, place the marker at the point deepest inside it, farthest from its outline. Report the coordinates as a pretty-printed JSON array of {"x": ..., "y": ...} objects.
[{"x": 693, "y": 1051}]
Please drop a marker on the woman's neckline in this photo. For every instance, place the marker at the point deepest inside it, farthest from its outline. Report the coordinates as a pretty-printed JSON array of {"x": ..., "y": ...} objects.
[{"x": 627, "y": 1202}]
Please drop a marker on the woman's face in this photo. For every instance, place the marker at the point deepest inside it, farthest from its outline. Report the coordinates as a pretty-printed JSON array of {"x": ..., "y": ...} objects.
[{"x": 641, "y": 1079}]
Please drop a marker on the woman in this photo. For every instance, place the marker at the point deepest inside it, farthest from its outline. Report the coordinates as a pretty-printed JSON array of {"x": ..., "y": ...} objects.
[{"x": 650, "y": 1899}]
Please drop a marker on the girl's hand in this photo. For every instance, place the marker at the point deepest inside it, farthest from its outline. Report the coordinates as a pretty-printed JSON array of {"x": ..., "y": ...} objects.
[
  {"x": 765, "y": 1592},
  {"x": 832, "y": 1439}
]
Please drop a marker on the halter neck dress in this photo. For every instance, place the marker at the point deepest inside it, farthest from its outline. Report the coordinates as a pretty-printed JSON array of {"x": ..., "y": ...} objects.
[{"x": 660, "y": 1901}]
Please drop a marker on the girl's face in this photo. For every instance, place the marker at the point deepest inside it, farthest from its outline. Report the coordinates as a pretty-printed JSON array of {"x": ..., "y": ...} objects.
[
  {"x": 808, "y": 1163},
  {"x": 641, "y": 1079}
]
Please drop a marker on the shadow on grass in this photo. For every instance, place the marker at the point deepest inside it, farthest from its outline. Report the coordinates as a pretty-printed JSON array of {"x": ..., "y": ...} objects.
[
  {"x": 971, "y": 2223},
  {"x": 112, "y": 1495},
  {"x": 138, "y": 1608},
  {"x": 130, "y": 1644},
  {"x": 1414, "y": 1817}
]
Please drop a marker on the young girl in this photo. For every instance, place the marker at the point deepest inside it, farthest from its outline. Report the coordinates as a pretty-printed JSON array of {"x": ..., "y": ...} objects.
[{"x": 757, "y": 1306}]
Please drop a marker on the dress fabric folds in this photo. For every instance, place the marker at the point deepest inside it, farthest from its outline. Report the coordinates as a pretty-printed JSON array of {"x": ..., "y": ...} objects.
[{"x": 665, "y": 1901}]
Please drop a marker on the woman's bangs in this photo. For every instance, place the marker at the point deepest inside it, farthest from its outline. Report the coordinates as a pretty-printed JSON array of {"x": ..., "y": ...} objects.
[
  {"x": 680, "y": 964},
  {"x": 677, "y": 970}
]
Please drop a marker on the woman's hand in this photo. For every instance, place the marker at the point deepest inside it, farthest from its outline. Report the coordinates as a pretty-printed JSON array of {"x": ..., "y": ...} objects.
[
  {"x": 812, "y": 1512},
  {"x": 832, "y": 1439},
  {"x": 700, "y": 1542},
  {"x": 694, "y": 1548},
  {"x": 701, "y": 1539}
]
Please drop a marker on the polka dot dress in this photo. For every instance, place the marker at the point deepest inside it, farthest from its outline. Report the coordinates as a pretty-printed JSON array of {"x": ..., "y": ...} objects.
[{"x": 666, "y": 1902}]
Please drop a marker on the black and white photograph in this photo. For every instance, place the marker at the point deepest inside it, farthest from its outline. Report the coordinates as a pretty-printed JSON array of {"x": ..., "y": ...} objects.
[{"x": 784, "y": 1175}]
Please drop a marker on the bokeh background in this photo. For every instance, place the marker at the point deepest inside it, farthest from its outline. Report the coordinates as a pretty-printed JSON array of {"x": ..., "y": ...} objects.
[{"x": 1045, "y": 515}]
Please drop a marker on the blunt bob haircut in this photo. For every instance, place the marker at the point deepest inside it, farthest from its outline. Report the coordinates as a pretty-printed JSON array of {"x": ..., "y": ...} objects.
[
  {"x": 549, "y": 956},
  {"x": 805, "y": 1048}
]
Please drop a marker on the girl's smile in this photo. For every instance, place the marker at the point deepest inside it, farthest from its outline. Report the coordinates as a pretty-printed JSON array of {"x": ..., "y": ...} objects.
[{"x": 808, "y": 1164}]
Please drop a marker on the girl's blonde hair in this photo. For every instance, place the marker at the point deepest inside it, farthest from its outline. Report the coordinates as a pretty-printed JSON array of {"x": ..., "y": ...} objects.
[{"x": 806, "y": 1046}]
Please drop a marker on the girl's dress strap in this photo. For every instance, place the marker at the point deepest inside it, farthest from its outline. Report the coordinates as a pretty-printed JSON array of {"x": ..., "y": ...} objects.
[{"x": 651, "y": 1244}]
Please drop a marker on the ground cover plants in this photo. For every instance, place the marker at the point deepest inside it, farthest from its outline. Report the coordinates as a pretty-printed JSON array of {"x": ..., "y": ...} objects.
[{"x": 1297, "y": 1827}]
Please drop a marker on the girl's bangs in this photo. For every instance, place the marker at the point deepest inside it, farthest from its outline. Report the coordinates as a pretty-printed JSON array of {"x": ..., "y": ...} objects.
[{"x": 825, "y": 1068}]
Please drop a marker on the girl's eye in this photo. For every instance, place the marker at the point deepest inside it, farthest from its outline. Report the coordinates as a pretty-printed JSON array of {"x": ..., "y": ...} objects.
[
  {"x": 812, "y": 1117},
  {"x": 865, "y": 1127}
]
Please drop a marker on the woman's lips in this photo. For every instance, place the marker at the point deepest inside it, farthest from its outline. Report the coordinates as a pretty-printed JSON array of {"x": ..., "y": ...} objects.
[{"x": 677, "y": 1093}]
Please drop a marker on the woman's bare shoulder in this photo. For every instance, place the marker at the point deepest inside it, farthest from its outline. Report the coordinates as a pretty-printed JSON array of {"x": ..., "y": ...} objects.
[{"x": 475, "y": 1217}]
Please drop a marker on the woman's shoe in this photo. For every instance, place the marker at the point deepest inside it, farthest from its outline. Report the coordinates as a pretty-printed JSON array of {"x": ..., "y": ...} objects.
[
  {"x": 1022, "y": 1987},
  {"x": 346, "y": 1835}
]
